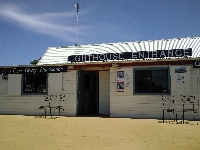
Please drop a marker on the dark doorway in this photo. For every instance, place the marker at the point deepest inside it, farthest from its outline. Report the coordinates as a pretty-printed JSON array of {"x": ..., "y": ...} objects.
[{"x": 88, "y": 93}]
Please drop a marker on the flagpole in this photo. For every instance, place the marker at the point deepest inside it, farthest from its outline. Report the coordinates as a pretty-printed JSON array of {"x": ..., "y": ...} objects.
[
  {"x": 77, "y": 28},
  {"x": 77, "y": 8}
]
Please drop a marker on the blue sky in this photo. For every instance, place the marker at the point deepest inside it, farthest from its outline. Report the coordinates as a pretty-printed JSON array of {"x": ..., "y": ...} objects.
[{"x": 28, "y": 28}]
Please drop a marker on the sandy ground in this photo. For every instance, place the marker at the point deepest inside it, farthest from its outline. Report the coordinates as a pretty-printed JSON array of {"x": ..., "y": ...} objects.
[{"x": 95, "y": 133}]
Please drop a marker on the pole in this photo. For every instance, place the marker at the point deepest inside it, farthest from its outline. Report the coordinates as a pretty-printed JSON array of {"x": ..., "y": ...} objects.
[
  {"x": 76, "y": 29},
  {"x": 77, "y": 8}
]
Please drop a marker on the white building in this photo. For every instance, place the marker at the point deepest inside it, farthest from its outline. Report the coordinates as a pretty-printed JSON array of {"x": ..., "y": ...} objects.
[{"x": 132, "y": 79}]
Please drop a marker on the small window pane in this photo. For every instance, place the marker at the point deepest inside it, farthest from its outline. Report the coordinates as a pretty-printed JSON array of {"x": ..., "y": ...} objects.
[
  {"x": 35, "y": 83},
  {"x": 159, "y": 81},
  {"x": 151, "y": 81},
  {"x": 143, "y": 81}
]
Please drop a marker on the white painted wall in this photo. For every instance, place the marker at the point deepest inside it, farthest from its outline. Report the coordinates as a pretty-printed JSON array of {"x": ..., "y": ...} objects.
[
  {"x": 14, "y": 84},
  {"x": 198, "y": 88},
  {"x": 133, "y": 106},
  {"x": 3, "y": 86},
  {"x": 177, "y": 86},
  {"x": 12, "y": 102},
  {"x": 104, "y": 92},
  {"x": 55, "y": 84},
  {"x": 70, "y": 92},
  {"x": 150, "y": 106}
]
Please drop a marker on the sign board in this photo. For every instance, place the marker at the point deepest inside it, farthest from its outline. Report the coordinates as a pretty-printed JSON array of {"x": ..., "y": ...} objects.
[
  {"x": 132, "y": 55},
  {"x": 196, "y": 63},
  {"x": 27, "y": 70}
]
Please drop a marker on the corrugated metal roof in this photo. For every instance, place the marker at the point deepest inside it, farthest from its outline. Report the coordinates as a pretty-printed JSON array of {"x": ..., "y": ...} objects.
[{"x": 59, "y": 55}]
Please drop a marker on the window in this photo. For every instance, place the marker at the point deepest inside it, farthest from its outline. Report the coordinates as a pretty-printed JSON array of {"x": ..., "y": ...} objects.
[
  {"x": 35, "y": 83},
  {"x": 151, "y": 80}
]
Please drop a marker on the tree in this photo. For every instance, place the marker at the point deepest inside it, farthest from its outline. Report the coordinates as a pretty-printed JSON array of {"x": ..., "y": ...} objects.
[{"x": 34, "y": 62}]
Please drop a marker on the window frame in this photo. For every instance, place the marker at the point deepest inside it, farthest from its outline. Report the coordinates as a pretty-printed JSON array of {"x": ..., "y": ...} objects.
[
  {"x": 151, "y": 69},
  {"x": 34, "y": 93}
]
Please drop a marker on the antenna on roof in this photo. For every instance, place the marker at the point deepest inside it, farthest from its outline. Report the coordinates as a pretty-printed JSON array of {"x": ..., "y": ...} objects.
[{"x": 77, "y": 8}]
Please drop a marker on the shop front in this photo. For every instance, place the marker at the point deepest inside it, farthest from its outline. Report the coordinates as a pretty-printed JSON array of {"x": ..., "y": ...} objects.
[{"x": 133, "y": 79}]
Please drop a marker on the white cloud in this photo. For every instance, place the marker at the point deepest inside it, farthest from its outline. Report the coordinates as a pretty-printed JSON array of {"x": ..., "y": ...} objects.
[
  {"x": 62, "y": 25},
  {"x": 58, "y": 25}
]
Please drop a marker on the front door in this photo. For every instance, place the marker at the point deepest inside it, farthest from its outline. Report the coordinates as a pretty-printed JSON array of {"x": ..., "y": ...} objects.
[{"x": 88, "y": 93}]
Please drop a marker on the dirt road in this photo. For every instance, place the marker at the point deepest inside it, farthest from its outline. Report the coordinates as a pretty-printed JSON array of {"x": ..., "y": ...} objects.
[{"x": 95, "y": 133}]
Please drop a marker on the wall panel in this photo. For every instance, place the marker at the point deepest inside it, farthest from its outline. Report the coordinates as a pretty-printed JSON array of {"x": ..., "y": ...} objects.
[
  {"x": 104, "y": 93},
  {"x": 151, "y": 106},
  {"x": 14, "y": 84},
  {"x": 3, "y": 86},
  {"x": 55, "y": 84},
  {"x": 70, "y": 92}
]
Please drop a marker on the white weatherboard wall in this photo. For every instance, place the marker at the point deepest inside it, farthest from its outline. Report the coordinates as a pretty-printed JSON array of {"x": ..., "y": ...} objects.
[
  {"x": 3, "y": 86},
  {"x": 70, "y": 92},
  {"x": 185, "y": 84},
  {"x": 14, "y": 84},
  {"x": 180, "y": 80},
  {"x": 128, "y": 105},
  {"x": 104, "y": 92},
  {"x": 150, "y": 106},
  {"x": 13, "y": 102},
  {"x": 55, "y": 84},
  {"x": 197, "y": 83}
]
